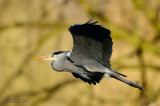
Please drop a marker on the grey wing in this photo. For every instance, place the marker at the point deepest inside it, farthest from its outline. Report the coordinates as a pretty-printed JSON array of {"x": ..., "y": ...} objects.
[{"x": 91, "y": 43}]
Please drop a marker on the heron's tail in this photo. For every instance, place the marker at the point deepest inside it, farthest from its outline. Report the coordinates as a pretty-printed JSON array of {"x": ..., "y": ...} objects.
[{"x": 131, "y": 83}]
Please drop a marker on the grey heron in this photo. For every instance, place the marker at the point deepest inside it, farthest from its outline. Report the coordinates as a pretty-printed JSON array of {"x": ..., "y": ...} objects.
[{"x": 89, "y": 59}]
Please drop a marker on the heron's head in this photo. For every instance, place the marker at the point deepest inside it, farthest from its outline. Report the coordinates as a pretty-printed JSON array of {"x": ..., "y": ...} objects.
[{"x": 50, "y": 57}]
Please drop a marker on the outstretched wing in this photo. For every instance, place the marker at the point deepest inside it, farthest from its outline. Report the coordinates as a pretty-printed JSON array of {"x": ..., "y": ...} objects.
[{"x": 91, "y": 42}]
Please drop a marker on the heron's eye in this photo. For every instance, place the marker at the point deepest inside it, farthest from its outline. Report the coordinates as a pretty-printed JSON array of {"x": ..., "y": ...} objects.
[{"x": 52, "y": 55}]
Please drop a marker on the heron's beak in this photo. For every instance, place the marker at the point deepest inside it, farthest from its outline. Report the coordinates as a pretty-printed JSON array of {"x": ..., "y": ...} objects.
[{"x": 43, "y": 58}]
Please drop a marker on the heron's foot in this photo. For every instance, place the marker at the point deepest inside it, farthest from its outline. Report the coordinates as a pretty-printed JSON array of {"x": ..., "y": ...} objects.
[{"x": 136, "y": 85}]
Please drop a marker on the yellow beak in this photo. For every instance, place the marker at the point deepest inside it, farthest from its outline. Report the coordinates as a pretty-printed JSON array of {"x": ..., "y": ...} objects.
[{"x": 42, "y": 58}]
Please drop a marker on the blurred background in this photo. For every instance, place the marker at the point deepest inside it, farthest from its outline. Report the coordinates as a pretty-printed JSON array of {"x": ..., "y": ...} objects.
[{"x": 33, "y": 28}]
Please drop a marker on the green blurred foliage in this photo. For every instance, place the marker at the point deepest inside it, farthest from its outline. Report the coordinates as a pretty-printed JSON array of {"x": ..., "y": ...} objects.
[{"x": 31, "y": 28}]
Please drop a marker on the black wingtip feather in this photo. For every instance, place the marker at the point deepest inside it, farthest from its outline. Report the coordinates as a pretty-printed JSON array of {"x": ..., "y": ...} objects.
[
  {"x": 91, "y": 22},
  {"x": 91, "y": 30},
  {"x": 95, "y": 77}
]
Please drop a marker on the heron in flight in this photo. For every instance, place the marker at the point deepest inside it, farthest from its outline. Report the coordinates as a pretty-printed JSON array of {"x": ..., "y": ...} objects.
[{"x": 89, "y": 59}]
